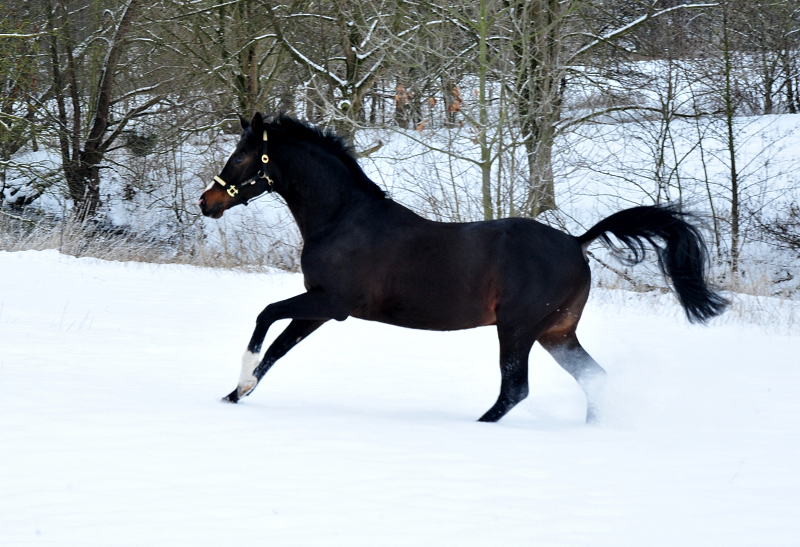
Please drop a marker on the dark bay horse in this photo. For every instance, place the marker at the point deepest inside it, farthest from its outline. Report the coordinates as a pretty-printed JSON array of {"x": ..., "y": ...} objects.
[{"x": 367, "y": 256}]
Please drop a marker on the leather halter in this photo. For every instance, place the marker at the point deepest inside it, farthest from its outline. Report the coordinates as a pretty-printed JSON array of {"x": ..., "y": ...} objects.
[{"x": 233, "y": 190}]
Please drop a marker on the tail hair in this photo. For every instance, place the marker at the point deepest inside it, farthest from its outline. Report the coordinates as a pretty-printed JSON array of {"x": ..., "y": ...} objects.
[{"x": 682, "y": 258}]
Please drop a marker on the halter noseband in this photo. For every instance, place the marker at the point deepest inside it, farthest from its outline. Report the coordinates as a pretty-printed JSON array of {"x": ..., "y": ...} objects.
[{"x": 233, "y": 190}]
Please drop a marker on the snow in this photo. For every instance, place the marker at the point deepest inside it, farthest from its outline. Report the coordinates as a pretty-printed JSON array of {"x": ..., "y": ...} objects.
[{"x": 112, "y": 433}]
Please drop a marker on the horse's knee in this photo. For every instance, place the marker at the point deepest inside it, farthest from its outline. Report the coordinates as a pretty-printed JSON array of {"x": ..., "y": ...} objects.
[
  {"x": 265, "y": 316},
  {"x": 559, "y": 341}
]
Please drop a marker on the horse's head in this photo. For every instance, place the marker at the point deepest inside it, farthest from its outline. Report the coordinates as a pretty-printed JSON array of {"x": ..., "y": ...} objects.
[{"x": 245, "y": 174}]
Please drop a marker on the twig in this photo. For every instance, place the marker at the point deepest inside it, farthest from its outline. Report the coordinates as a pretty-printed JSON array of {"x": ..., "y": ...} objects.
[
  {"x": 371, "y": 150},
  {"x": 638, "y": 287},
  {"x": 15, "y": 217}
]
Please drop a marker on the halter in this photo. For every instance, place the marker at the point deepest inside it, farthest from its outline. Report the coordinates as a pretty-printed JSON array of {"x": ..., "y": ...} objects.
[{"x": 233, "y": 190}]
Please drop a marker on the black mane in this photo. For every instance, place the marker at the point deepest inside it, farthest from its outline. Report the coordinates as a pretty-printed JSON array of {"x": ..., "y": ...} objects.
[{"x": 331, "y": 142}]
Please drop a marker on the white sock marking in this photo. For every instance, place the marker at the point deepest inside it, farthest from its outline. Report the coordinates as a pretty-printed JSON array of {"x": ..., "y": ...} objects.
[{"x": 247, "y": 381}]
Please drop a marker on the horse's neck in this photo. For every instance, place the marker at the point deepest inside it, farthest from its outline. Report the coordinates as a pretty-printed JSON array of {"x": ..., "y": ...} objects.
[{"x": 318, "y": 195}]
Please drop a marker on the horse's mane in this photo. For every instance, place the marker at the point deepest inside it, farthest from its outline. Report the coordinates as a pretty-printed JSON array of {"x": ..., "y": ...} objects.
[{"x": 331, "y": 142}]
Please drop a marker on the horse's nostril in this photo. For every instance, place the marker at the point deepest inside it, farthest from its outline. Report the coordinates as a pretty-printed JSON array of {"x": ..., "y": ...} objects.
[{"x": 201, "y": 202}]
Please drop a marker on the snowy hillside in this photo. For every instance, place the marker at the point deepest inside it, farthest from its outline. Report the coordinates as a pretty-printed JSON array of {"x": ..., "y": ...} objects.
[{"x": 112, "y": 433}]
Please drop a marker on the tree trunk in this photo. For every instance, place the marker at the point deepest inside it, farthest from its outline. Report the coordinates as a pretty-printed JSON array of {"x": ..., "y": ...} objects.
[
  {"x": 483, "y": 114},
  {"x": 81, "y": 161},
  {"x": 541, "y": 194},
  {"x": 730, "y": 113},
  {"x": 538, "y": 86}
]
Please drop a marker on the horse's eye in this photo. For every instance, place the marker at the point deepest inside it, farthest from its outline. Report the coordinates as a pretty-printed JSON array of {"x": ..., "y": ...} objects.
[{"x": 238, "y": 159}]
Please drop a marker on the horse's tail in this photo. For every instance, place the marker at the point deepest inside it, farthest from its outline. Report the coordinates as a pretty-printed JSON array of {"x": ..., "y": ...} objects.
[{"x": 683, "y": 259}]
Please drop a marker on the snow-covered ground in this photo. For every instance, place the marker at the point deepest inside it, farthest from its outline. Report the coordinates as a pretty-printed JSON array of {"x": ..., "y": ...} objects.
[{"x": 112, "y": 433}]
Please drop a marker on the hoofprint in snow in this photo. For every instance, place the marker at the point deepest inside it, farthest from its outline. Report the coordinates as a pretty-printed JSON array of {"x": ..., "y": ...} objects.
[{"x": 112, "y": 433}]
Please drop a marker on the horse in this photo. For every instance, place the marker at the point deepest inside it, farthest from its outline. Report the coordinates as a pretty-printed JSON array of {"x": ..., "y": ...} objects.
[{"x": 365, "y": 255}]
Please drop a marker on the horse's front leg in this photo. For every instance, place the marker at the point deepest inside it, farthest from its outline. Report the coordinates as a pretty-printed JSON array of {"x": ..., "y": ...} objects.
[
  {"x": 308, "y": 311},
  {"x": 253, "y": 369}
]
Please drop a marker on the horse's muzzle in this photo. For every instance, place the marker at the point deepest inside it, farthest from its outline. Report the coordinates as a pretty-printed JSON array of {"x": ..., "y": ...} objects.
[{"x": 215, "y": 211}]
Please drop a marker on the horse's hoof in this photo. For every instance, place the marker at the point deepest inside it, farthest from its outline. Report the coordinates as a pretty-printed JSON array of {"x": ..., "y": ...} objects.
[
  {"x": 246, "y": 388},
  {"x": 593, "y": 417},
  {"x": 232, "y": 397}
]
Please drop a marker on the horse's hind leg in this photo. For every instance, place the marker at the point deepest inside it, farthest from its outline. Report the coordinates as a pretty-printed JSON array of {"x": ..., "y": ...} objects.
[
  {"x": 515, "y": 346},
  {"x": 568, "y": 352}
]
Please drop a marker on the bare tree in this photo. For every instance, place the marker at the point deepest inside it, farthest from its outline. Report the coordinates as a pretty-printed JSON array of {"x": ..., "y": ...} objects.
[
  {"x": 343, "y": 48},
  {"x": 769, "y": 34},
  {"x": 19, "y": 93},
  {"x": 88, "y": 45},
  {"x": 228, "y": 54},
  {"x": 523, "y": 57}
]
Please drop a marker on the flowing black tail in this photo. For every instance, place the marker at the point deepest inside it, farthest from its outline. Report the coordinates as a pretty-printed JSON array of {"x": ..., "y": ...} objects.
[{"x": 683, "y": 259}]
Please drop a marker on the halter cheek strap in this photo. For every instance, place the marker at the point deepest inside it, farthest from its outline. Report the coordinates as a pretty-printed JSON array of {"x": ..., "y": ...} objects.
[{"x": 233, "y": 190}]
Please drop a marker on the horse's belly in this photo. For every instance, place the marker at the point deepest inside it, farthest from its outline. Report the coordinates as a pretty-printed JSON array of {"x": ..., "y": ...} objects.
[
  {"x": 427, "y": 321},
  {"x": 431, "y": 309}
]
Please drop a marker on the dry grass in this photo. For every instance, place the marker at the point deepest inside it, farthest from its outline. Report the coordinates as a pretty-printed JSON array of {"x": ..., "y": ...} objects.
[
  {"x": 755, "y": 301},
  {"x": 89, "y": 239}
]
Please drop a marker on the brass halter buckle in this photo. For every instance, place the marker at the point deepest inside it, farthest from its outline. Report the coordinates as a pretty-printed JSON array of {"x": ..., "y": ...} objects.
[
  {"x": 264, "y": 157},
  {"x": 232, "y": 191}
]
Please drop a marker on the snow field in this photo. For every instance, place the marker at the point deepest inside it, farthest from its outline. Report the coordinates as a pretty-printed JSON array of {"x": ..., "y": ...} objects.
[{"x": 112, "y": 433}]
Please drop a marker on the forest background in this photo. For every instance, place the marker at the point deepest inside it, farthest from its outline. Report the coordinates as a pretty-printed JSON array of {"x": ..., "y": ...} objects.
[{"x": 115, "y": 115}]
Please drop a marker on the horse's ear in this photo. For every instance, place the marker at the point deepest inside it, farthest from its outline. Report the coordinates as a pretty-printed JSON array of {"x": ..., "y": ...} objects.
[
  {"x": 257, "y": 123},
  {"x": 244, "y": 122}
]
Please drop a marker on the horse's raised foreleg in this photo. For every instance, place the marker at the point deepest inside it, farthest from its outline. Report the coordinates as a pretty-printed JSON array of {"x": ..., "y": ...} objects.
[
  {"x": 308, "y": 311},
  {"x": 253, "y": 369},
  {"x": 515, "y": 346},
  {"x": 568, "y": 352}
]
